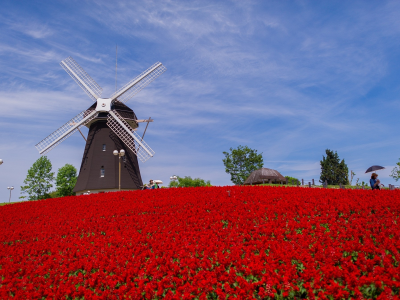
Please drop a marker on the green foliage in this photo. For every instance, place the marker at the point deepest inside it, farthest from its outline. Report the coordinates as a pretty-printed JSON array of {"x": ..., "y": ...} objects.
[
  {"x": 240, "y": 162},
  {"x": 187, "y": 181},
  {"x": 292, "y": 179},
  {"x": 365, "y": 184},
  {"x": 396, "y": 171},
  {"x": 66, "y": 180},
  {"x": 38, "y": 181},
  {"x": 53, "y": 194},
  {"x": 333, "y": 170}
]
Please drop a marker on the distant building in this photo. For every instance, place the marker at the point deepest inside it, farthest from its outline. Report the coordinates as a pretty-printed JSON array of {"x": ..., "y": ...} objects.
[{"x": 265, "y": 175}]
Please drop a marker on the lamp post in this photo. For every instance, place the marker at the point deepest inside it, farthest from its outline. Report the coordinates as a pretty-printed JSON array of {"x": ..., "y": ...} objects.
[
  {"x": 10, "y": 188},
  {"x": 173, "y": 178},
  {"x": 1, "y": 161},
  {"x": 120, "y": 154}
]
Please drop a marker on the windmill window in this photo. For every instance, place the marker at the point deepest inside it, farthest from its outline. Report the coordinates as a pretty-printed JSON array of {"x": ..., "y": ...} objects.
[
  {"x": 124, "y": 159},
  {"x": 102, "y": 172},
  {"x": 104, "y": 147}
]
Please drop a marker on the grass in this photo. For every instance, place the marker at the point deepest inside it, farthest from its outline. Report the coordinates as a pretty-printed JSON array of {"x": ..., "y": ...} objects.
[{"x": 6, "y": 203}]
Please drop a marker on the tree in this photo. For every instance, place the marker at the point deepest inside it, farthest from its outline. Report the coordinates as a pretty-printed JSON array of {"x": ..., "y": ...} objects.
[
  {"x": 187, "y": 181},
  {"x": 66, "y": 180},
  {"x": 53, "y": 194},
  {"x": 291, "y": 180},
  {"x": 38, "y": 181},
  {"x": 352, "y": 174},
  {"x": 240, "y": 162},
  {"x": 333, "y": 170},
  {"x": 396, "y": 171}
]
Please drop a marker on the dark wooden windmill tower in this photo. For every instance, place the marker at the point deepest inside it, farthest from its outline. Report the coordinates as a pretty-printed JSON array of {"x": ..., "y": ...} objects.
[{"x": 112, "y": 126}]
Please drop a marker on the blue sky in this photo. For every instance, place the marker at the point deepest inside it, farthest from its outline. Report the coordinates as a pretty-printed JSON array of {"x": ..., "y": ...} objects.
[{"x": 289, "y": 79}]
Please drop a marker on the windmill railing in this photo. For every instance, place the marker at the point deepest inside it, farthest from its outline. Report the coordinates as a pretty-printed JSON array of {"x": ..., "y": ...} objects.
[{"x": 301, "y": 182}]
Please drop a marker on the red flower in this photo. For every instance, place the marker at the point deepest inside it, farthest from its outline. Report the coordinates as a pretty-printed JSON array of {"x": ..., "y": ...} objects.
[{"x": 197, "y": 242}]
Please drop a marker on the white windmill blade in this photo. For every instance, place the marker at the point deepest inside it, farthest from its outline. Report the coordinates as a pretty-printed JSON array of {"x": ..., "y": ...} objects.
[
  {"x": 65, "y": 131},
  {"x": 81, "y": 78},
  {"x": 140, "y": 82},
  {"x": 130, "y": 138}
]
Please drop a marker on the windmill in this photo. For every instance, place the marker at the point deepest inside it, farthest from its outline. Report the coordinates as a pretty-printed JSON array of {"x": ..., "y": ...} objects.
[{"x": 112, "y": 125}]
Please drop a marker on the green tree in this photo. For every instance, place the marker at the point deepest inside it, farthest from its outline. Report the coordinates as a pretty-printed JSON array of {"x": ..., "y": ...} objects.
[
  {"x": 66, "y": 180},
  {"x": 292, "y": 179},
  {"x": 53, "y": 194},
  {"x": 240, "y": 162},
  {"x": 396, "y": 171},
  {"x": 187, "y": 181},
  {"x": 333, "y": 170},
  {"x": 38, "y": 181}
]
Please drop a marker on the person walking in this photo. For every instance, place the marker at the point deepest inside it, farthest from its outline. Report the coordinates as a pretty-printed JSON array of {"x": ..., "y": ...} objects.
[{"x": 374, "y": 182}]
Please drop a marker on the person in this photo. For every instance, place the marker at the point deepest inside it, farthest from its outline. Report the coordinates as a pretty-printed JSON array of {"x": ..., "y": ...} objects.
[
  {"x": 374, "y": 182},
  {"x": 153, "y": 184}
]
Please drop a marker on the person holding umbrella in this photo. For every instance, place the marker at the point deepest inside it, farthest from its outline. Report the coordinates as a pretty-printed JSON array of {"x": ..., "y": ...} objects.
[{"x": 374, "y": 182}]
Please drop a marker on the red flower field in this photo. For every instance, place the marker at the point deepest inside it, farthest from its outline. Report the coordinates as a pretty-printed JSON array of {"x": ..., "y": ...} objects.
[{"x": 204, "y": 243}]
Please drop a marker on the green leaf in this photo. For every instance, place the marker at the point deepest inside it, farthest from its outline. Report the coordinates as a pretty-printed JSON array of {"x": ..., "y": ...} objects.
[
  {"x": 38, "y": 181},
  {"x": 66, "y": 180},
  {"x": 240, "y": 162},
  {"x": 333, "y": 170},
  {"x": 187, "y": 181}
]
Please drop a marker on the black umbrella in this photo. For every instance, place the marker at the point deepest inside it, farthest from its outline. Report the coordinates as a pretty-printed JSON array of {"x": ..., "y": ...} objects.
[{"x": 374, "y": 168}]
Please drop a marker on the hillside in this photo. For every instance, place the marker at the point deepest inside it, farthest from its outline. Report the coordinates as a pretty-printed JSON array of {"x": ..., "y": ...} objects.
[{"x": 199, "y": 243}]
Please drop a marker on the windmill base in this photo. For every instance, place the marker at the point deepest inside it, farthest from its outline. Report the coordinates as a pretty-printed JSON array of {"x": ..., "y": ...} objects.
[{"x": 99, "y": 171}]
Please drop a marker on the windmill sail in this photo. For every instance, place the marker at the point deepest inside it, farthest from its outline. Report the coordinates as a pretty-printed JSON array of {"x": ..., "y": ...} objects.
[
  {"x": 82, "y": 78},
  {"x": 130, "y": 138},
  {"x": 65, "y": 131},
  {"x": 114, "y": 121},
  {"x": 138, "y": 83}
]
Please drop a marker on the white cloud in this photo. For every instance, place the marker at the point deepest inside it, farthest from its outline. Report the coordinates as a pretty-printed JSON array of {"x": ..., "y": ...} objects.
[
  {"x": 33, "y": 29},
  {"x": 42, "y": 105}
]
